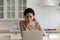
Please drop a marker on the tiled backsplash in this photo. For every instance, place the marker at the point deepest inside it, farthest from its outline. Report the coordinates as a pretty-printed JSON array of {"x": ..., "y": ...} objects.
[{"x": 11, "y": 25}]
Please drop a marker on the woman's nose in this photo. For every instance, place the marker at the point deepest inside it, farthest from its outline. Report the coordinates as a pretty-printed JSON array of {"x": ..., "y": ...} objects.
[{"x": 28, "y": 18}]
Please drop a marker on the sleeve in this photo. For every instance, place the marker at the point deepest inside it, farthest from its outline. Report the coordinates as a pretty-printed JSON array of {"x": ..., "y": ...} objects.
[
  {"x": 40, "y": 27},
  {"x": 20, "y": 24}
]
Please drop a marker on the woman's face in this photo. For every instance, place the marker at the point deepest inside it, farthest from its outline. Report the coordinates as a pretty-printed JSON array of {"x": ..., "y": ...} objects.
[{"x": 29, "y": 17}]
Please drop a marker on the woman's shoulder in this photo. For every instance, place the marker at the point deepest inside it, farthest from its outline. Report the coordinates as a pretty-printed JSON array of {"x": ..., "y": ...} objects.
[{"x": 22, "y": 21}]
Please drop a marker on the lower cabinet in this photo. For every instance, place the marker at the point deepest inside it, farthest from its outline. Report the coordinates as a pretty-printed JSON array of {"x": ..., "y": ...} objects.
[{"x": 10, "y": 36}]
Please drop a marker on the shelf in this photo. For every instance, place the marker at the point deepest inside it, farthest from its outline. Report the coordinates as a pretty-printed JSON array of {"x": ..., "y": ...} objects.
[
  {"x": 12, "y": 19},
  {"x": 15, "y": 39},
  {"x": 6, "y": 31},
  {"x": 10, "y": 32},
  {"x": 54, "y": 31},
  {"x": 10, "y": 39}
]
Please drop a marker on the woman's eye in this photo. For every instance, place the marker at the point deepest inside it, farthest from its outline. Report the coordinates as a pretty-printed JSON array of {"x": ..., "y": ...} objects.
[
  {"x": 27, "y": 16},
  {"x": 30, "y": 16}
]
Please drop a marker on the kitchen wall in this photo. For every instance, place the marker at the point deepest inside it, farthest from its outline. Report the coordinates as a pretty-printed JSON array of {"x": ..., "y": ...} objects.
[
  {"x": 47, "y": 16},
  {"x": 11, "y": 25}
]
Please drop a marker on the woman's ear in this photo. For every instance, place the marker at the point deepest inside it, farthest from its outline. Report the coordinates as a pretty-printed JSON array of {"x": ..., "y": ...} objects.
[{"x": 34, "y": 19}]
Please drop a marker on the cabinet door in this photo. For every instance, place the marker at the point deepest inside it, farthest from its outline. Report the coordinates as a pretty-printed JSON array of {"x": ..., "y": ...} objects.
[
  {"x": 21, "y": 8},
  {"x": 15, "y": 8},
  {"x": 1, "y": 8},
  {"x": 10, "y": 8}
]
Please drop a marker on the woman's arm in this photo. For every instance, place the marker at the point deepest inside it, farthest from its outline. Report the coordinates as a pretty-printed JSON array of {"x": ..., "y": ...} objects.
[
  {"x": 21, "y": 31},
  {"x": 44, "y": 33},
  {"x": 40, "y": 27}
]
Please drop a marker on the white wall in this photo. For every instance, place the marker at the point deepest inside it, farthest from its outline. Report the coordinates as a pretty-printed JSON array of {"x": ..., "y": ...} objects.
[{"x": 47, "y": 16}]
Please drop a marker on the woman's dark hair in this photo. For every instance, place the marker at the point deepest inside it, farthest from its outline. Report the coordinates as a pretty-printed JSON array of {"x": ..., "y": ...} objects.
[{"x": 29, "y": 10}]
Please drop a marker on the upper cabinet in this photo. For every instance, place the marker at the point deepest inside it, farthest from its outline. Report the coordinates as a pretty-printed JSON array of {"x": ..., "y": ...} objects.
[
  {"x": 1, "y": 8},
  {"x": 50, "y": 3},
  {"x": 21, "y": 7},
  {"x": 12, "y": 9}
]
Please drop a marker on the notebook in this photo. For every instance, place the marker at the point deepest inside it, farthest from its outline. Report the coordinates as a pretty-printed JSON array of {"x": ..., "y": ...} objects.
[{"x": 32, "y": 35}]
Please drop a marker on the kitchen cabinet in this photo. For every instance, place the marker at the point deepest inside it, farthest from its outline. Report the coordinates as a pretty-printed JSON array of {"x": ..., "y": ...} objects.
[
  {"x": 9, "y": 29},
  {"x": 12, "y": 9},
  {"x": 10, "y": 35},
  {"x": 1, "y": 9}
]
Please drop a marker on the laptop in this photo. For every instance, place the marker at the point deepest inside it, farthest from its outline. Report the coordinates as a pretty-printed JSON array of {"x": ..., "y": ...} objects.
[{"x": 32, "y": 35}]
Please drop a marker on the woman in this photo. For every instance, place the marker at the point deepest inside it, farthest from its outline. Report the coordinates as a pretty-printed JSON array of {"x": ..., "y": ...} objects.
[{"x": 29, "y": 23}]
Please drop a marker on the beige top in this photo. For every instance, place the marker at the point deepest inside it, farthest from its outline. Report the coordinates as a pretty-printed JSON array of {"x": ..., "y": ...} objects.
[{"x": 34, "y": 26}]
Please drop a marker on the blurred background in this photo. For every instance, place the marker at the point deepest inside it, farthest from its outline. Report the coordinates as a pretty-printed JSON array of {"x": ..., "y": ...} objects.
[{"x": 47, "y": 14}]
